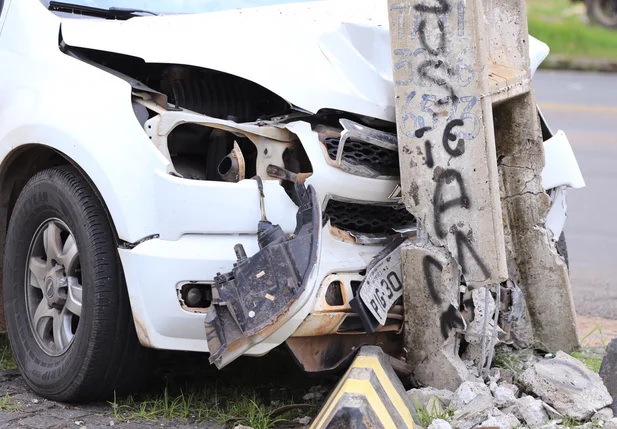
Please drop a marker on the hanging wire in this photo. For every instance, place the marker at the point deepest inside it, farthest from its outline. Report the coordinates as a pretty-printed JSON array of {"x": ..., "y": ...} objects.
[
  {"x": 491, "y": 354},
  {"x": 484, "y": 329}
]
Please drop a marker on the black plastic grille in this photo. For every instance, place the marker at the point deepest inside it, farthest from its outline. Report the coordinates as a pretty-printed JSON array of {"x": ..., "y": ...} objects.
[
  {"x": 368, "y": 219},
  {"x": 384, "y": 162}
]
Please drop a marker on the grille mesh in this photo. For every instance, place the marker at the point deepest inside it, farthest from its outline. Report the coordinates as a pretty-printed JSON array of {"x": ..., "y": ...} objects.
[
  {"x": 367, "y": 219},
  {"x": 382, "y": 161}
]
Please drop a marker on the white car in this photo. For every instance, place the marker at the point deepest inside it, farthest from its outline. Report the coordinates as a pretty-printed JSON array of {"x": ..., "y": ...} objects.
[{"x": 188, "y": 178}]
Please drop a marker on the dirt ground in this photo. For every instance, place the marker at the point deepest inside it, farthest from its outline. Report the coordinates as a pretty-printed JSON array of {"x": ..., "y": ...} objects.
[
  {"x": 596, "y": 331},
  {"x": 20, "y": 408}
]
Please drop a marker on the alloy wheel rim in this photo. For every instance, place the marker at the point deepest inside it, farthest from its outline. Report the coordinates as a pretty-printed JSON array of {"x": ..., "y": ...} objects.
[{"x": 53, "y": 287}]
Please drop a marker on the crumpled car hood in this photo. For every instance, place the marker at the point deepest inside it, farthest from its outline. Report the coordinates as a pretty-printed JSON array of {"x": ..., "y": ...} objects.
[
  {"x": 325, "y": 54},
  {"x": 319, "y": 55}
]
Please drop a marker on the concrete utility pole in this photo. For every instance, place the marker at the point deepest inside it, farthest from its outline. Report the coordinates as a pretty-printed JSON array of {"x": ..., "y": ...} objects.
[{"x": 471, "y": 156}]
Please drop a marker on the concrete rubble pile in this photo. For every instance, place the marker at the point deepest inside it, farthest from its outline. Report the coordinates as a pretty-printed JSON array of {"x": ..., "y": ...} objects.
[{"x": 541, "y": 392}]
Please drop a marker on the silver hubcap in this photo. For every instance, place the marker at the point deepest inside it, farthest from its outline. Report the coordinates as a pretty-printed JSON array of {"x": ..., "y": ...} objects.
[{"x": 53, "y": 287}]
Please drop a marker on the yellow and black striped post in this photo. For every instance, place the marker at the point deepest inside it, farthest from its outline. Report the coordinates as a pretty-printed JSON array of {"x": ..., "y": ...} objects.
[{"x": 370, "y": 395}]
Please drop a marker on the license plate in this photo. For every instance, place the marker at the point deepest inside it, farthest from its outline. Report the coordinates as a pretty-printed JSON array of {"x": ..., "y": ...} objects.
[{"x": 383, "y": 285}]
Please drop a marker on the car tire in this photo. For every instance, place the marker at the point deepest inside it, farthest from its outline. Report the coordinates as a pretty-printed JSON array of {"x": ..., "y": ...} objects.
[
  {"x": 71, "y": 343},
  {"x": 602, "y": 12}
]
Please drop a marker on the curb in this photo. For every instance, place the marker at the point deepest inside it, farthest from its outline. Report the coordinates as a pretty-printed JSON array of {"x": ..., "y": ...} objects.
[{"x": 560, "y": 62}]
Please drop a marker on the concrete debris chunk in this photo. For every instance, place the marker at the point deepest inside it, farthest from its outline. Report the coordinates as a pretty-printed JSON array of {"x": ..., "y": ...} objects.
[
  {"x": 439, "y": 424},
  {"x": 444, "y": 369},
  {"x": 531, "y": 411},
  {"x": 494, "y": 375},
  {"x": 611, "y": 424},
  {"x": 503, "y": 421},
  {"x": 316, "y": 393},
  {"x": 481, "y": 329},
  {"x": 608, "y": 371},
  {"x": 604, "y": 415},
  {"x": 467, "y": 392},
  {"x": 484, "y": 308},
  {"x": 550, "y": 425},
  {"x": 474, "y": 413},
  {"x": 505, "y": 394},
  {"x": 427, "y": 395},
  {"x": 553, "y": 414},
  {"x": 568, "y": 385},
  {"x": 303, "y": 420}
]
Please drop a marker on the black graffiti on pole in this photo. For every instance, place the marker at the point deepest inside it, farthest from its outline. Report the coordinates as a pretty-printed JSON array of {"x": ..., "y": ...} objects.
[
  {"x": 427, "y": 70},
  {"x": 430, "y": 68},
  {"x": 442, "y": 38},
  {"x": 443, "y": 8},
  {"x": 450, "y": 319},
  {"x": 420, "y": 132},
  {"x": 428, "y": 148},
  {"x": 448, "y": 136},
  {"x": 462, "y": 243},
  {"x": 438, "y": 71},
  {"x": 429, "y": 266},
  {"x": 443, "y": 178}
]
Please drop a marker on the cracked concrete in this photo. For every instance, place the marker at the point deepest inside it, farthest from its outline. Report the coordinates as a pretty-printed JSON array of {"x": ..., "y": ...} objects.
[
  {"x": 432, "y": 315},
  {"x": 533, "y": 261}
]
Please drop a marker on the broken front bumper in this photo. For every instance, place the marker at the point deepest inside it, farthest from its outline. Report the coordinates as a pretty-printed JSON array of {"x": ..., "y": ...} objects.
[{"x": 262, "y": 292}]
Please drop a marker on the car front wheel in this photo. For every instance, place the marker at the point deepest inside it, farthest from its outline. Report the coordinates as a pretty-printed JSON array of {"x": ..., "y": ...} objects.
[{"x": 65, "y": 301}]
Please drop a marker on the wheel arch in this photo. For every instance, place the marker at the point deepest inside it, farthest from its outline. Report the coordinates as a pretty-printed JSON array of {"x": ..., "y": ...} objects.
[{"x": 17, "y": 168}]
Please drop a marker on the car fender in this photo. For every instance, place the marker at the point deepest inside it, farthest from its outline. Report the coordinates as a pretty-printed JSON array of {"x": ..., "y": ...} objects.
[{"x": 84, "y": 113}]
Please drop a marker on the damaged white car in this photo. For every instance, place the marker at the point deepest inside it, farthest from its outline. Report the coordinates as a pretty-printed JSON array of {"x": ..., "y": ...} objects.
[{"x": 221, "y": 177}]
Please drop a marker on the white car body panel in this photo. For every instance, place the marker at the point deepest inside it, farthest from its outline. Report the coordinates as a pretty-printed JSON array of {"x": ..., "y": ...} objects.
[
  {"x": 339, "y": 53},
  {"x": 341, "y": 56},
  {"x": 538, "y": 51},
  {"x": 561, "y": 168}
]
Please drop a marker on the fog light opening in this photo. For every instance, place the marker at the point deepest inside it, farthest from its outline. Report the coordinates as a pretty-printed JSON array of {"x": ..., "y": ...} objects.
[
  {"x": 196, "y": 295},
  {"x": 334, "y": 294}
]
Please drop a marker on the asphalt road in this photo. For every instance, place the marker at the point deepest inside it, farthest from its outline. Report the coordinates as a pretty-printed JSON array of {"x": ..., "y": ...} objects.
[{"x": 584, "y": 106}]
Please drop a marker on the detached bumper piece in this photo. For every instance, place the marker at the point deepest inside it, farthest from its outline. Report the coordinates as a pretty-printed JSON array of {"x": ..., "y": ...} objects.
[
  {"x": 370, "y": 395},
  {"x": 254, "y": 297}
]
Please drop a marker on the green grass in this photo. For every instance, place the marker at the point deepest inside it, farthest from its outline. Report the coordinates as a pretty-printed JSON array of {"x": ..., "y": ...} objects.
[
  {"x": 185, "y": 386},
  {"x": 9, "y": 404},
  {"x": 223, "y": 406},
  {"x": 6, "y": 356},
  {"x": 570, "y": 422},
  {"x": 432, "y": 411},
  {"x": 507, "y": 358},
  {"x": 591, "y": 360},
  {"x": 249, "y": 392},
  {"x": 561, "y": 24}
]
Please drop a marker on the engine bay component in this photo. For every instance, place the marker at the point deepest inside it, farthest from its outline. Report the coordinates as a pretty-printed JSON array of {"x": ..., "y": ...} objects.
[
  {"x": 271, "y": 142},
  {"x": 232, "y": 168},
  {"x": 284, "y": 174},
  {"x": 260, "y": 289}
]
